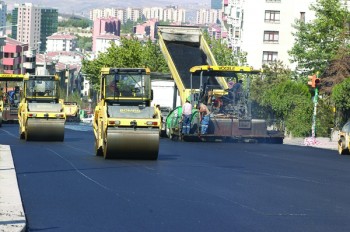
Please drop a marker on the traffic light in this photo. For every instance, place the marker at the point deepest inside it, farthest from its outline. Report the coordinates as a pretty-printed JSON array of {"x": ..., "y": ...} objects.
[{"x": 314, "y": 81}]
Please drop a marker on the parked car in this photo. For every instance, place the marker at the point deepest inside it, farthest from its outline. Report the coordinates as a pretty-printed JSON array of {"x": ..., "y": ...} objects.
[
  {"x": 344, "y": 140},
  {"x": 164, "y": 113},
  {"x": 88, "y": 119}
]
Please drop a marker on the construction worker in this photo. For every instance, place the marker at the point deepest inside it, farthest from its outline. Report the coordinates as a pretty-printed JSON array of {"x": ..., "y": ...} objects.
[
  {"x": 186, "y": 117},
  {"x": 204, "y": 117}
]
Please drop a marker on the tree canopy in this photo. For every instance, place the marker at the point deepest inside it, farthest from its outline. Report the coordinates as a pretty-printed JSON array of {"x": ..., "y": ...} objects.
[
  {"x": 130, "y": 54},
  {"x": 317, "y": 42}
]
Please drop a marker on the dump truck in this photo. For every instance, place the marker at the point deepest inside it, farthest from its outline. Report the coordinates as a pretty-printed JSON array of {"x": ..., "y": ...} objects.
[
  {"x": 125, "y": 124},
  {"x": 230, "y": 117},
  {"x": 41, "y": 113},
  {"x": 197, "y": 75},
  {"x": 184, "y": 47},
  {"x": 11, "y": 87}
]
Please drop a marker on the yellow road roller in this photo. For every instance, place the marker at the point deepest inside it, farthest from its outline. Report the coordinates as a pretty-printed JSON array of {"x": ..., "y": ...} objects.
[
  {"x": 41, "y": 113},
  {"x": 125, "y": 124}
]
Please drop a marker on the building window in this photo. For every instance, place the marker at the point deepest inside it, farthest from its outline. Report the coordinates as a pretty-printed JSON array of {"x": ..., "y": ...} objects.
[
  {"x": 269, "y": 57},
  {"x": 271, "y": 36},
  {"x": 302, "y": 17},
  {"x": 272, "y": 16}
]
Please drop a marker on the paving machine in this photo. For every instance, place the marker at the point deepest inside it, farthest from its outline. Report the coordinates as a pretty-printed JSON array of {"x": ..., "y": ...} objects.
[
  {"x": 230, "y": 117},
  {"x": 11, "y": 88},
  {"x": 125, "y": 124},
  {"x": 41, "y": 112}
]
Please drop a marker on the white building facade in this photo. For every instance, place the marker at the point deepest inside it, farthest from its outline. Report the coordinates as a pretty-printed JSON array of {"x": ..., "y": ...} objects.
[
  {"x": 103, "y": 42},
  {"x": 208, "y": 16},
  {"x": 29, "y": 21},
  {"x": 264, "y": 28},
  {"x": 61, "y": 42}
]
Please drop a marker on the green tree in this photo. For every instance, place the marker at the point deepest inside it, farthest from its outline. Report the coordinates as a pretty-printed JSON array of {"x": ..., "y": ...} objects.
[
  {"x": 285, "y": 101},
  {"x": 130, "y": 54},
  {"x": 291, "y": 102},
  {"x": 317, "y": 42},
  {"x": 84, "y": 43},
  {"x": 340, "y": 96},
  {"x": 153, "y": 57},
  {"x": 75, "y": 22}
]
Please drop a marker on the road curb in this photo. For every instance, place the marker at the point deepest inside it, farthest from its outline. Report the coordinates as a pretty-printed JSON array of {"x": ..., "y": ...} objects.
[{"x": 12, "y": 217}]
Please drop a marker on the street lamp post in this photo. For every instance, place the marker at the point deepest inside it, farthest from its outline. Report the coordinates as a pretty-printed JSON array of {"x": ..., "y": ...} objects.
[
  {"x": 22, "y": 58},
  {"x": 67, "y": 76}
]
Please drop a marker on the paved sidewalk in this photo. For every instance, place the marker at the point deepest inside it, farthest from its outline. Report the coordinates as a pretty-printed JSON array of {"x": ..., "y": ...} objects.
[
  {"x": 12, "y": 217},
  {"x": 322, "y": 142}
]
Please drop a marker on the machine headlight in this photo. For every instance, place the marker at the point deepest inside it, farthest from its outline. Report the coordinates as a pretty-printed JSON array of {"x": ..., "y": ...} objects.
[
  {"x": 114, "y": 123},
  {"x": 151, "y": 123}
]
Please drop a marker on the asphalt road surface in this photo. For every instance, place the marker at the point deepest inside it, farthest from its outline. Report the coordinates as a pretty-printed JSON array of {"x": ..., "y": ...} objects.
[{"x": 191, "y": 187}]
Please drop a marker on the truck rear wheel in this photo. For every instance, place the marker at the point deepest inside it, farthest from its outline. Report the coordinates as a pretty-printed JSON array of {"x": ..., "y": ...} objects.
[
  {"x": 98, "y": 150},
  {"x": 341, "y": 148}
]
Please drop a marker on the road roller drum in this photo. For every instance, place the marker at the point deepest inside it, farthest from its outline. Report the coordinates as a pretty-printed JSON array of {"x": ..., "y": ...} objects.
[
  {"x": 138, "y": 144},
  {"x": 45, "y": 130}
]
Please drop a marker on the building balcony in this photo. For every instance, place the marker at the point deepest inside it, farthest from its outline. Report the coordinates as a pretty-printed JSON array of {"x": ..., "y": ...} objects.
[
  {"x": 11, "y": 61},
  {"x": 29, "y": 65}
]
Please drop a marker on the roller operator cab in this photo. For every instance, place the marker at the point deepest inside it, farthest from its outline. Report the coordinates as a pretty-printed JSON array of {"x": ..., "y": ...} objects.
[
  {"x": 41, "y": 113},
  {"x": 125, "y": 124},
  {"x": 11, "y": 88}
]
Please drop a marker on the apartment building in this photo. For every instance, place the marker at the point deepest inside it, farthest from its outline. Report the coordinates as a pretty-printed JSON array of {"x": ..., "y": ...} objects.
[
  {"x": 214, "y": 31},
  {"x": 171, "y": 14},
  {"x": 61, "y": 42},
  {"x": 133, "y": 14},
  {"x": 14, "y": 56},
  {"x": 147, "y": 29},
  {"x": 3, "y": 11},
  {"x": 104, "y": 26},
  {"x": 174, "y": 14},
  {"x": 264, "y": 28},
  {"x": 103, "y": 42},
  {"x": 33, "y": 24},
  {"x": 208, "y": 16},
  {"x": 153, "y": 13}
]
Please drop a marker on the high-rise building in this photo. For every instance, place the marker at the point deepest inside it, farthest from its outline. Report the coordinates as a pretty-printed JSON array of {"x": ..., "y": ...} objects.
[
  {"x": 265, "y": 31},
  {"x": 33, "y": 24},
  {"x": 3, "y": 11},
  {"x": 14, "y": 20},
  {"x": 49, "y": 25},
  {"x": 28, "y": 24},
  {"x": 216, "y": 4}
]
